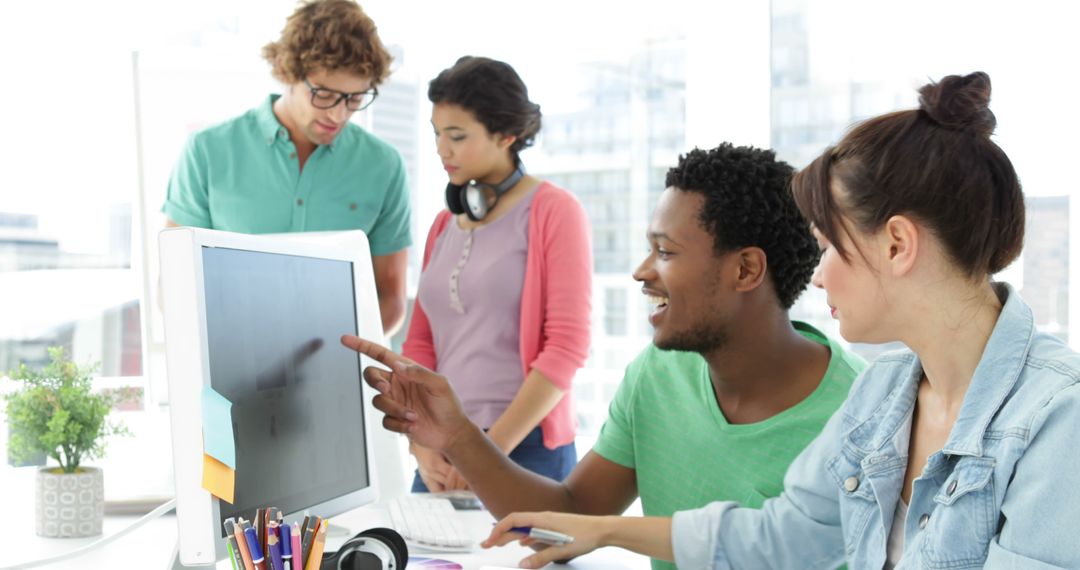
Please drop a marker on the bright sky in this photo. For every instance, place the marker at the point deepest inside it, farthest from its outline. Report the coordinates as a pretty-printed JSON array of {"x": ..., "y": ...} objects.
[
  {"x": 69, "y": 148},
  {"x": 1028, "y": 48}
]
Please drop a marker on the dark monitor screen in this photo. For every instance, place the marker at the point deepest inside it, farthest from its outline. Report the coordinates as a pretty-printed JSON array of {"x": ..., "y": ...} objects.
[{"x": 273, "y": 322}]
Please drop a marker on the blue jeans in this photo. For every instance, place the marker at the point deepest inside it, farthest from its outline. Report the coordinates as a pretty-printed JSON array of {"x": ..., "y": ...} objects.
[{"x": 532, "y": 455}]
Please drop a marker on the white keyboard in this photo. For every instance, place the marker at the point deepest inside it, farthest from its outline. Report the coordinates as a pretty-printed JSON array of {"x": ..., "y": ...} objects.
[{"x": 431, "y": 523}]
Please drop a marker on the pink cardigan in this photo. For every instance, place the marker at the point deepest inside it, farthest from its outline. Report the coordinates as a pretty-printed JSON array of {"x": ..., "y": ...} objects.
[{"x": 555, "y": 302}]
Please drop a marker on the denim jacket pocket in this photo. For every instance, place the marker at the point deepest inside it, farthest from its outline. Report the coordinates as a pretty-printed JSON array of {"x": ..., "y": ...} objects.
[
  {"x": 856, "y": 498},
  {"x": 965, "y": 517}
]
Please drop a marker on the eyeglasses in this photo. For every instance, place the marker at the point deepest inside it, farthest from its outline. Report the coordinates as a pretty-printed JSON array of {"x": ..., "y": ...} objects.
[{"x": 322, "y": 98}]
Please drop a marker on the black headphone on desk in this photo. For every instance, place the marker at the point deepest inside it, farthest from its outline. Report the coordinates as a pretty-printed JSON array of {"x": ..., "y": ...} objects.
[
  {"x": 373, "y": 549},
  {"x": 476, "y": 199}
]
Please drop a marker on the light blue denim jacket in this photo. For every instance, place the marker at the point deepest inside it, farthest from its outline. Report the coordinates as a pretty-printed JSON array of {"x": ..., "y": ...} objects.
[{"x": 1004, "y": 492}]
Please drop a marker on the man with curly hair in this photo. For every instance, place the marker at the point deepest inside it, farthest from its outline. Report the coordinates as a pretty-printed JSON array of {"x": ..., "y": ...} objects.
[
  {"x": 729, "y": 392},
  {"x": 296, "y": 163}
]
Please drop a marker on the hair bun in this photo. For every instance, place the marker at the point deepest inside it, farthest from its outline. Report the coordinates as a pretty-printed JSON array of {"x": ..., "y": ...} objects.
[{"x": 960, "y": 103}]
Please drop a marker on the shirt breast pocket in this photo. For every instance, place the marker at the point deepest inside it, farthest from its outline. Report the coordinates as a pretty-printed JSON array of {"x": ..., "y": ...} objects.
[
  {"x": 965, "y": 517},
  {"x": 856, "y": 499}
]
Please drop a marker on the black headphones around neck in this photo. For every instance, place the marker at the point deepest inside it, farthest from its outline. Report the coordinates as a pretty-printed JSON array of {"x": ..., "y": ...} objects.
[{"x": 476, "y": 199}]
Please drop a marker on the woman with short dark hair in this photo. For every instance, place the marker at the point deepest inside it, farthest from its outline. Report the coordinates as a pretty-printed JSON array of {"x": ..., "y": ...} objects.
[{"x": 504, "y": 298}]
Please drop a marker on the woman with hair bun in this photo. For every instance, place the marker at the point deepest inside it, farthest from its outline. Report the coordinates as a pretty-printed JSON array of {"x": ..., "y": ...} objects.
[
  {"x": 504, "y": 298},
  {"x": 957, "y": 452}
]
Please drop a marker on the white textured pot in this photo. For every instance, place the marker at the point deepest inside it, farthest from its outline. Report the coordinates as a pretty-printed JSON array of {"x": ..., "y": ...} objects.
[{"x": 69, "y": 504}]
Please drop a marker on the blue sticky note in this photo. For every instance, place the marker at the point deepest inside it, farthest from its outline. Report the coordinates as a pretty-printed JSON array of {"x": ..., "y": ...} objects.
[{"x": 217, "y": 430}]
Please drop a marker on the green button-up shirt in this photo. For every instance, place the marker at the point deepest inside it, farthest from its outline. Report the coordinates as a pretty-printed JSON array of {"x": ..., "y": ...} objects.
[{"x": 243, "y": 175}]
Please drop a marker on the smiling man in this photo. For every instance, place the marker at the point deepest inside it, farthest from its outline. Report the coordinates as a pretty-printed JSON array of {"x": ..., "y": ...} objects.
[
  {"x": 728, "y": 394},
  {"x": 296, "y": 163}
]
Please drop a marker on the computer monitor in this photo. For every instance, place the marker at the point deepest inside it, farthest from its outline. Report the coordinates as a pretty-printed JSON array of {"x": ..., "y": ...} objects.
[{"x": 258, "y": 319}]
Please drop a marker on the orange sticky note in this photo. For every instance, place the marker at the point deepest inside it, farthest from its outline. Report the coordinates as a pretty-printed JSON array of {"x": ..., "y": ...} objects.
[{"x": 218, "y": 478}]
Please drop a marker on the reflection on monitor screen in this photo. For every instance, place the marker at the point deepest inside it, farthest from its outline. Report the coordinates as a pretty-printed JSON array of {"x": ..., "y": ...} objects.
[{"x": 272, "y": 325}]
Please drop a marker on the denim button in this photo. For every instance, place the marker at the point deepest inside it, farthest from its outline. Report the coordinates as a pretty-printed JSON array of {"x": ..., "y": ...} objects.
[
  {"x": 851, "y": 483},
  {"x": 923, "y": 520},
  {"x": 951, "y": 489}
]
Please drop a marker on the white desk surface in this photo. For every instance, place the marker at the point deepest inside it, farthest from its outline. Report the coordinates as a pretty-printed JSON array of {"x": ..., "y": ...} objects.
[{"x": 150, "y": 546}]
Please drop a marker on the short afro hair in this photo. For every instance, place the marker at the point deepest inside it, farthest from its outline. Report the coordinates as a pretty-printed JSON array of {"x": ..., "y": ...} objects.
[{"x": 748, "y": 203}]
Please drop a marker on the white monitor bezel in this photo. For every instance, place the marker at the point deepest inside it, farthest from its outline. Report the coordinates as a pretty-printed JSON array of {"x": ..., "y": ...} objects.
[{"x": 187, "y": 358}]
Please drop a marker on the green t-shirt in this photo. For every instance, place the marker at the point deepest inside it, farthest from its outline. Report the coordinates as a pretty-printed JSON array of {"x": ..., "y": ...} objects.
[
  {"x": 665, "y": 423},
  {"x": 243, "y": 176}
]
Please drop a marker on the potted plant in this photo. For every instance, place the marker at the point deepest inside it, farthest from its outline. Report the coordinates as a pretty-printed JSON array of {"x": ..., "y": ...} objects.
[{"x": 55, "y": 412}]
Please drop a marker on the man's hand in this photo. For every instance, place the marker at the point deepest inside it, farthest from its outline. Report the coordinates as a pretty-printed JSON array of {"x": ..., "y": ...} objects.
[{"x": 417, "y": 402}]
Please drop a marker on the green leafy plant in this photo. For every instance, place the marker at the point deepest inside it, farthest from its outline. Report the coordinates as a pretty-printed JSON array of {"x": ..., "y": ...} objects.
[{"x": 55, "y": 412}]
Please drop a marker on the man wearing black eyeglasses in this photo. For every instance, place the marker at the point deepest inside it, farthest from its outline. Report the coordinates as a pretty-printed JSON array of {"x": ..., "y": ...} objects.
[{"x": 296, "y": 163}]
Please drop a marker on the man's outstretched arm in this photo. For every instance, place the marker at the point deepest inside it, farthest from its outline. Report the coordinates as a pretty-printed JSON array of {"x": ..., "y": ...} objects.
[{"x": 422, "y": 405}]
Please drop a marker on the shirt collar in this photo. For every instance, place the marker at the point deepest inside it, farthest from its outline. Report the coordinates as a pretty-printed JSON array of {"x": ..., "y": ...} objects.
[
  {"x": 272, "y": 129},
  {"x": 269, "y": 125},
  {"x": 998, "y": 370}
]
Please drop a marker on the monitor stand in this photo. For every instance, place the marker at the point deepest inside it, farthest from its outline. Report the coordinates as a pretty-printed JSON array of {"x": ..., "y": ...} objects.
[{"x": 174, "y": 559}]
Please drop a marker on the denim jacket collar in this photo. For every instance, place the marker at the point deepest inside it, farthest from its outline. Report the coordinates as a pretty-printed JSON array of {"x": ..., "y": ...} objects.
[
  {"x": 877, "y": 438},
  {"x": 997, "y": 373},
  {"x": 994, "y": 378}
]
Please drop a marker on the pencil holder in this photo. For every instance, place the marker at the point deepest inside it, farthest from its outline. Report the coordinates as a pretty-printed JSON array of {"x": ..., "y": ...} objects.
[{"x": 69, "y": 504}]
